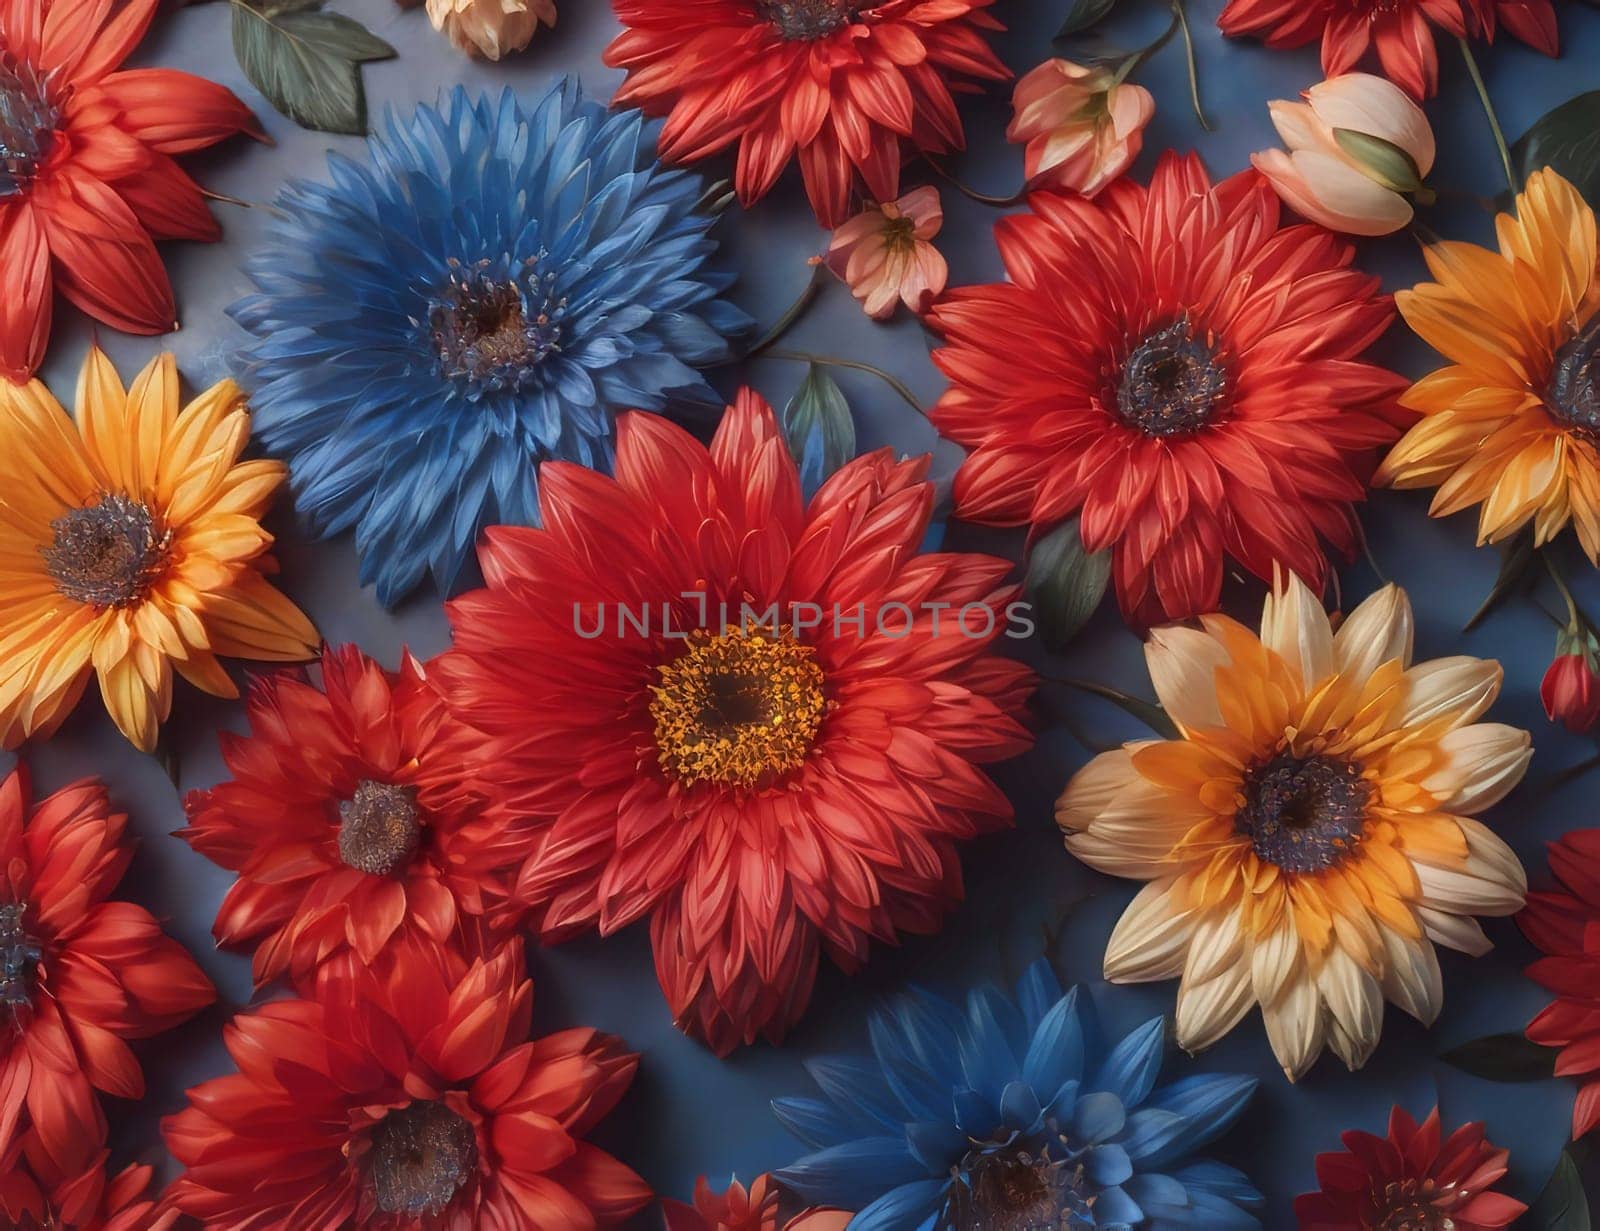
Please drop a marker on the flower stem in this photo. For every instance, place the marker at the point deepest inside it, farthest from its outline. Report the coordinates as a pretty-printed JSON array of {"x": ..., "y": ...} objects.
[
  {"x": 1194, "y": 70},
  {"x": 855, "y": 365},
  {"x": 983, "y": 198},
  {"x": 1575, "y": 616},
  {"x": 1488, "y": 110},
  {"x": 795, "y": 311},
  {"x": 1136, "y": 59},
  {"x": 1147, "y": 712}
]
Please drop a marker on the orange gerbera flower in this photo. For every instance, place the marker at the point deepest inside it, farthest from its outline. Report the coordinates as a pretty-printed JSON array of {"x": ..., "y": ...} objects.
[
  {"x": 1308, "y": 837},
  {"x": 131, "y": 545},
  {"x": 88, "y": 182},
  {"x": 1513, "y": 423}
]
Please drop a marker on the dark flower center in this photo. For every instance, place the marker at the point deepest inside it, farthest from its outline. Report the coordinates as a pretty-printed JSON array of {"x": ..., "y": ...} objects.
[
  {"x": 423, "y": 1154},
  {"x": 494, "y": 329},
  {"x": 1573, "y": 394},
  {"x": 107, "y": 554},
  {"x": 19, "y": 959},
  {"x": 1017, "y": 1189},
  {"x": 1304, "y": 814},
  {"x": 802, "y": 20},
  {"x": 741, "y": 708},
  {"x": 1172, "y": 384},
  {"x": 1409, "y": 1205},
  {"x": 380, "y": 828},
  {"x": 27, "y": 124}
]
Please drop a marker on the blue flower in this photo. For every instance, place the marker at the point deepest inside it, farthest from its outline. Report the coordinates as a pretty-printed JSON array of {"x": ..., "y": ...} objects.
[
  {"x": 484, "y": 294},
  {"x": 1013, "y": 1117}
]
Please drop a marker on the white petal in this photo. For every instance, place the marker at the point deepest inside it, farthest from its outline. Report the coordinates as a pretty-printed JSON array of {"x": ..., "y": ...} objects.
[
  {"x": 1353, "y": 1050},
  {"x": 1356, "y": 1003},
  {"x": 1486, "y": 760},
  {"x": 1298, "y": 125},
  {"x": 1412, "y": 980},
  {"x": 1378, "y": 631},
  {"x": 1461, "y": 687},
  {"x": 1459, "y": 932},
  {"x": 1379, "y": 108},
  {"x": 1218, "y": 944},
  {"x": 1150, "y": 940},
  {"x": 1274, "y": 960},
  {"x": 1294, "y": 624},
  {"x": 1490, "y": 858},
  {"x": 1183, "y": 667},
  {"x": 1482, "y": 887},
  {"x": 1114, "y": 859},
  {"x": 1095, "y": 786},
  {"x": 1296, "y": 1026},
  {"x": 1207, "y": 1011}
]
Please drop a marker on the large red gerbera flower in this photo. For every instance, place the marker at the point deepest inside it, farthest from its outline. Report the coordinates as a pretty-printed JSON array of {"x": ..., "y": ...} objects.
[
  {"x": 353, "y": 818},
  {"x": 1564, "y": 923},
  {"x": 78, "y": 974},
  {"x": 88, "y": 180},
  {"x": 1172, "y": 366},
  {"x": 1399, "y": 31},
  {"x": 843, "y": 84},
  {"x": 757, "y": 787},
  {"x": 738, "y": 1208},
  {"x": 409, "y": 1100},
  {"x": 42, "y": 1192},
  {"x": 1410, "y": 1179}
]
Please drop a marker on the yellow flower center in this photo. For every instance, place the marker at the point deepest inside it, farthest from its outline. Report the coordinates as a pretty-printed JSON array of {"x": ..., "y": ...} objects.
[
  {"x": 109, "y": 553},
  {"x": 422, "y": 1155},
  {"x": 741, "y": 708},
  {"x": 379, "y": 828}
]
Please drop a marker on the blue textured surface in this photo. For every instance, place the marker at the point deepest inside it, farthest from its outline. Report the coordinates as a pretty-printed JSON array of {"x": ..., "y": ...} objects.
[{"x": 689, "y": 1112}]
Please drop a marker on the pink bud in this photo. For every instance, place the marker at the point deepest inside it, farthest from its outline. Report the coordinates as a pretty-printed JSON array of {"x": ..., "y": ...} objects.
[
  {"x": 1082, "y": 128},
  {"x": 886, "y": 255}
]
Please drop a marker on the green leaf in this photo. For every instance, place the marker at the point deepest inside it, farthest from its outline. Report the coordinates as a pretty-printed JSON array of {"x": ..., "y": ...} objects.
[
  {"x": 1568, "y": 139},
  {"x": 306, "y": 62},
  {"x": 1065, "y": 583},
  {"x": 1147, "y": 712},
  {"x": 1516, "y": 559},
  {"x": 1563, "y": 1205},
  {"x": 1085, "y": 14},
  {"x": 1504, "y": 1057},
  {"x": 819, "y": 427},
  {"x": 1383, "y": 161}
]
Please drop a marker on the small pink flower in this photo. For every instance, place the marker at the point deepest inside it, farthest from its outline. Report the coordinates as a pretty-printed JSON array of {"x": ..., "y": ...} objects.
[
  {"x": 1082, "y": 126},
  {"x": 1358, "y": 146},
  {"x": 886, "y": 254}
]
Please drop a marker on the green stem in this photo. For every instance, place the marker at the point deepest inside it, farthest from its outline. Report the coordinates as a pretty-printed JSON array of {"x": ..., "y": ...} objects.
[
  {"x": 1194, "y": 70},
  {"x": 1488, "y": 110},
  {"x": 855, "y": 365},
  {"x": 1134, "y": 61},
  {"x": 1577, "y": 619},
  {"x": 785, "y": 322},
  {"x": 1147, "y": 712},
  {"x": 983, "y": 198}
]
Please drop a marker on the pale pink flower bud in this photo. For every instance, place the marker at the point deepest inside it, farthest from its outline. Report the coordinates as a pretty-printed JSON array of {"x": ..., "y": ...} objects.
[
  {"x": 1358, "y": 147},
  {"x": 491, "y": 28},
  {"x": 886, "y": 254},
  {"x": 1082, "y": 126}
]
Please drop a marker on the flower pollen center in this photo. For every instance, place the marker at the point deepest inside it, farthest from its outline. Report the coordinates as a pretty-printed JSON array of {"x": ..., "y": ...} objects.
[
  {"x": 1572, "y": 398},
  {"x": 1410, "y": 1205},
  {"x": 803, "y": 20},
  {"x": 494, "y": 329},
  {"x": 741, "y": 708},
  {"x": 380, "y": 828},
  {"x": 423, "y": 1154},
  {"x": 28, "y": 119},
  {"x": 1303, "y": 814},
  {"x": 19, "y": 960},
  {"x": 1172, "y": 383},
  {"x": 107, "y": 554},
  {"x": 1014, "y": 1188}
]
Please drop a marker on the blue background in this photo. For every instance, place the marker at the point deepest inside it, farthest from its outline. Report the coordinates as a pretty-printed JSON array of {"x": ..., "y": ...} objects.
[{"x": 690, "y": 1113}]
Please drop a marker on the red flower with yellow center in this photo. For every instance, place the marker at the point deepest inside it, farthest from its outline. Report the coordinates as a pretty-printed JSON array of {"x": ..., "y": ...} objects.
[
  {"x": 1196, "y": 396},
  {"x": 410, "y": 1100},
  {"x": 842, "y": 85},
  {"x": 760, "y": 787},
  {"x": 87, "y": 177},
  {"x": 79, "y": 975},
  {"x": 39, "y": 1192},
  {"x": 354, "y": 821}
]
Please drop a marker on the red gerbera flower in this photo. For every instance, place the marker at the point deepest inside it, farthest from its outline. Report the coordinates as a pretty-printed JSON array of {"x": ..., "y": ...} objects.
[
  {"x": 1172, "y": 366},
  {"x": 745, "y": 1209},
  {"x": 353, "y": 818},
  {"x": 38, "y": 1191},
  {"x": 78, "y": 974},
  {"x": 843, "y": 84},
  {"x": 1410, "y": 1179},
  {"x": 1565, "y": 924},
  {"x": 407, "y": 1101},
  {"x": 1397, "y": 30},
  {"x": 88, "y": 180},
  {"x": 755, "y": 786}
]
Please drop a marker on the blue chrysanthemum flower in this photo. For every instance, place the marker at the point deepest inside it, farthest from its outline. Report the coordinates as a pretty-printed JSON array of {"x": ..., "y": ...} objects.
[
  {"x": 1012, "y": 1116},
  {"x": 486, "y": 293}
]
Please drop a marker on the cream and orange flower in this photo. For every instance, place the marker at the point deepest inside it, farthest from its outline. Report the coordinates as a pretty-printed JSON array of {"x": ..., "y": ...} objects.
[
  {"x": 131, "y": 545},
  {"x": 1513, "y": 423},
  {"x": 885, "y": 254},
  {"x": 1308, "y": 836}
]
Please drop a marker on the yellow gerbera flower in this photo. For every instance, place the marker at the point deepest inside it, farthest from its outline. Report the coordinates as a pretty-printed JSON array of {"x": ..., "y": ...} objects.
[
  {"x": 1513, "y": 423},
  {"x": 131, "y": 545},
  {"x": 1306, "y": 839}
]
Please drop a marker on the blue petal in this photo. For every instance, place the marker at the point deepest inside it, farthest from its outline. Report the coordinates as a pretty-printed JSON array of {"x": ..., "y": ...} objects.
[
  {"x": 1114, "y": 1210},
  {"x": 1098, "y": 1117},
  {"x": 1019, "y": 1107},
  {"x": 1037, "y": 992},
  {"x": 816, "y": 1123},
  {"x": 991, "y": 1050},
  {"x": 858, "y": 1089},
  {"x": 1220, "y": 1180},
  {"x": 1209, "y": 1102},
  {"x": 910, "y": 1207},
  {"x": 1056, "y": 1053},
  {"x": 1131, "y": 1069},
  {"x": 1107, "y": 1164},
  {"x": 853, "y": 1174}
]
